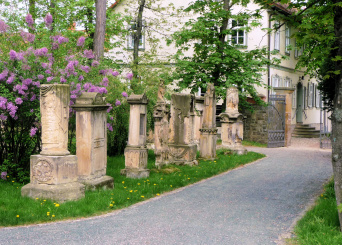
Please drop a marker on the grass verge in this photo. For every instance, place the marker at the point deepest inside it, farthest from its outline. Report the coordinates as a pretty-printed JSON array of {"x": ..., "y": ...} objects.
[
  {"x": 17, "y": 210},
  {"x": 253, "y": 143},
  {"x": 320, "y": 225}
]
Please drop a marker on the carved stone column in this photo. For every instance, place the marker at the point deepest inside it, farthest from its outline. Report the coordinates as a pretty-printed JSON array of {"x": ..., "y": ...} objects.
[
  {"x": 182, "y": 150},
  {"x": 136, "y": 151},
  {"x": 199, "y": 104},
  {"x": 53, "y": 173},
  {"x": 232, "y": 123},
  {"x": 209, "y": 130},
  {"x": 91, "y": 141}
]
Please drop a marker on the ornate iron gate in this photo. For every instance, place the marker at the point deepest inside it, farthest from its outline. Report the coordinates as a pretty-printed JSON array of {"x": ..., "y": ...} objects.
[{"x": 276, "y": 121}]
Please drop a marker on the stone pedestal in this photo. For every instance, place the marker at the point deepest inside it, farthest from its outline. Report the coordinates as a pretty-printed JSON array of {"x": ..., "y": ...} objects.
[
  {"x": 182, "y": 149},
  {"x": 161, "y": 133},
  {"x": 91, "y": 141},
  {"x": 232, "y": 123},
  {"x": 54, "y": 172},
  {"x": 288, "y": 110},
  {"x": 208, "y": 130},
  {"x": 136, "y": 151}
]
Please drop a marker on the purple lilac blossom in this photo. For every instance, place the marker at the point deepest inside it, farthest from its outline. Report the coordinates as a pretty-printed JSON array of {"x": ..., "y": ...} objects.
[
  {"x": 49, "y": 79},
  {"x": 18, "y": 101},
  {"x": 27, "y": 81},
  {"x": 26, "y": 67},
  {"x": 45, "y": 65},
  {"x": 80, "y": 41},
  {"x": 33, "y": 131},
  {"x": 80, "y": 78},
  {"x": 20, "y": 56},
  {"x": 33, "y": 97},
  {"x": 3, "y": 26},
  {"x": 3, "y": 175},
  {"x": 31, "y": 110},
  {"x": 103, "y": 90},
  {"x": 111, "y": 118},
  {"x": 29, "y": 20},
  {"x": 95, "y": 63},
  {"x": 115, "y": 73},
  {"x": 73, "y": 96},
  {"x": 12, "y": 109},
  {"x": 86, "y": 86},
  {"x": 41, "y": 52},
  {"x": 3, "y": 103},
  {"x": 124, "y": 94},
  {"x": 27, "y": 37},
  {"x": 37, "y": 84},
  {"x": 117, "y": 102},
  {"x": 109, "y": 108},
  {"x": 48, "y": 20},
  {"x": 40, "y": 77},
  {"x": 55, "y": 46},
  {"x": 48, "y": 72},
  {"x": 110, "y": 127},
  {"x": 3, "y": 75},
  {"x": 103, "y": 72},
  {"x": 78, "y": 86},
  {"x": 11, "y": 79},
  {"x": 13, "y": 55},
  {"x": 3, "y": 117},
  {"x": 89, "y": 54},
  {"x": 63, "y": 80},
  {"x": 86, "y": 69},
  {"x": 62, "y": 39},
  {"x": 129, "y": 76},
  {"x": 105, "y": 81}
]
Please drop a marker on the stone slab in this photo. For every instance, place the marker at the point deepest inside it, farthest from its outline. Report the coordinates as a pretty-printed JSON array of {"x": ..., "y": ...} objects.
[
  {"x": 135, "y": 173},
  {"x": 61, "y": 193},
  {"x": 104, "y": 182},
  {"x": 183, "y": 154}
]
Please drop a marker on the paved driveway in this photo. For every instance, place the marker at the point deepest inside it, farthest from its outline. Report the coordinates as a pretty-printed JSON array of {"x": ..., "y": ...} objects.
[{"x": 255, "y": 204}]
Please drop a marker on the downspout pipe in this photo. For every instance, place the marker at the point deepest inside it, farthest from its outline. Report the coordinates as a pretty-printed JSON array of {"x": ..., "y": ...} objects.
[{"x": 269, "y": 57}]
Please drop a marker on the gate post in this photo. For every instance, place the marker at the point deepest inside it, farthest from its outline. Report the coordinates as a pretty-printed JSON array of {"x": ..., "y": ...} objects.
[{"x": 288, "y": 110}]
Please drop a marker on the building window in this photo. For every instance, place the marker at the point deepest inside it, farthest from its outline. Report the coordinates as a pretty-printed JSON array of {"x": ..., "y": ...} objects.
[
  {"x": 287, "y": 39},
  {"x": 277, "y": 36},
  {"x": 288, "y": 82},
  {"x": 130, "y": 41},
  {"x": 304, "y": 98},
  {"x": 298, "y": 50},
  {"x": 310, "y": 94},
  {"x": 238, "y": 36},
  {"x": 294, "y": 97},
  {"x": 318, "y": 98}
]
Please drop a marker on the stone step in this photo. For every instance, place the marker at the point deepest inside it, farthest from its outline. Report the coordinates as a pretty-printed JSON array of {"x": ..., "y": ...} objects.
[{"x": 305, "y": 131}]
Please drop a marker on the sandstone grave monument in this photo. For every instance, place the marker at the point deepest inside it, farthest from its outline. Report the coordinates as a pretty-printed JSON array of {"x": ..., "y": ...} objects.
[
  {"x": 209, "y": 131},
  {"x": 182, "y": 149},
  {"x": 54, "y": 173},
  {"x": 232, "y": 123},
  {"x": 91, "y": 141},
  {"x": 136, "y": 150}
]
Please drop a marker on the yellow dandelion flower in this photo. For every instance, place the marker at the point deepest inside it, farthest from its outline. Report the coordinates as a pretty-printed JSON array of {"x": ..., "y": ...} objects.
[
  {"x": 161, "y": 178},
  {"x": 154, "y": 184},
  {"x": 188, "y": 178},
  {"x": 125, "y": 187},
  {"x": 170, "y": 185},
  {"x": 111, "y": 205},
  {"x": 53, "y": 216},
  {"x": 37, "y": 198},
  {"x": 13, "y": 181},
  {"x": 127, "y": 197},
  {"x": 123, "y": 182},
  {"x": 135, "y": 190},
  {"x": 44, "y": 200},
  {"x": 138, "y": 183},
  {"x": 214, "y": 161},
  {"x": 48, "y": 213},
  {"x": 17, "y": 215},
  {"x": 158, "y": 194},
  {"x": 57, "y": 205},
  {"x": 131, "y": 191},
  {"x": 142, "y": 197},
  {"x": 147, "y": 180}
]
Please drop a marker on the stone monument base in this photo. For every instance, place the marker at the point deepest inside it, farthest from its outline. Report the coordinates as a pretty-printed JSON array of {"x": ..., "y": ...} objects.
[
  {"x": 208, "y": 143},
  {"x": 162, "y": 158},
  {"x": 104, "y": 182},
  {"x": 183, "y": 154},
  {"x": 240, "y": 150},
  {"x": 61, "y": 193},
  {"x": 136, "y": 162},
  {"x": 135, "y": 173}
]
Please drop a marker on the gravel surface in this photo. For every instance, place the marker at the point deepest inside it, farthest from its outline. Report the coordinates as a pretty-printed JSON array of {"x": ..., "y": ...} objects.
[{"x": 254, "y": 204}]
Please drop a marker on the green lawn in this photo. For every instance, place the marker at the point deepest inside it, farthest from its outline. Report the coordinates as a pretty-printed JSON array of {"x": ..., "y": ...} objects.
[
  {"x": 320, "y": 225},
  {"x": 17, "y": 210}
]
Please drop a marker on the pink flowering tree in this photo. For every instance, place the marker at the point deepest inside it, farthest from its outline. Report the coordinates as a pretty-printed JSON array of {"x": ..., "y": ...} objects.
[{"x": 35, "y": 55}]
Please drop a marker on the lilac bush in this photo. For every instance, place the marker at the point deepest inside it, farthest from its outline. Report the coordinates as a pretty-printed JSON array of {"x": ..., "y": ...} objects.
[{"x": 29, "y": 59}]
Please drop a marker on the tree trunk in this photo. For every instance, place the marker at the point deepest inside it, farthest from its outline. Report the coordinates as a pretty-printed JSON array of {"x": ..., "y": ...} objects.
[
  {"x": 337, "y": 114},
  {"x": 136, "y": 36},
  {"x": 100, "y": 28}
]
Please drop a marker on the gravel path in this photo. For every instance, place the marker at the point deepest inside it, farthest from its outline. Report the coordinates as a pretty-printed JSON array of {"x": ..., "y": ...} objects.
[{"x": 254, "y": 204}]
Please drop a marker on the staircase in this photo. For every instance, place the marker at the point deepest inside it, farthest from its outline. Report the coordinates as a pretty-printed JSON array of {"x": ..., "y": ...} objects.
[{"x": 305, "y": 131}]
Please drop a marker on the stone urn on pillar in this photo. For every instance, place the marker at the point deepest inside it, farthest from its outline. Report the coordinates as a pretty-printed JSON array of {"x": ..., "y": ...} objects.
[
  {"x": 136, "y": 150},
  {"x": 232, "y": 123}
]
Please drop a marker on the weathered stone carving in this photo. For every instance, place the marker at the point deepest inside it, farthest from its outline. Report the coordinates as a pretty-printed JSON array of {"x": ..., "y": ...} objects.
[
  {"x": 53, "y": 174},
  {"x": 199, "y": 105},
  {"x": 182, "y": 149},
  {"x": 91, "y": 141},
  {"x": 208, "y": 130},
  {"x": 136, "y": 151},
  {"x": 232, "y": 123},
  {"x": 161, "y": 128}
]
